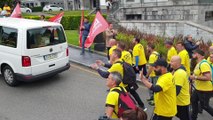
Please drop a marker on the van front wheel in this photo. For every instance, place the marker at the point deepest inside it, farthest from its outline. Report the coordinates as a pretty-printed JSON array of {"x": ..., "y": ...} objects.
[{"x": 9, "y": 76}]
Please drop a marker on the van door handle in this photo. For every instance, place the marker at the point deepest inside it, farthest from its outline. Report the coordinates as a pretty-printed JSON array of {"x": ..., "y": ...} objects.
[{"x": 52, "y": 65}]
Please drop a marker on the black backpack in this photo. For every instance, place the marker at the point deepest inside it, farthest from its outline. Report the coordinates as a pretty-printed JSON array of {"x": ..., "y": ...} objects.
[
  {"x": 125, "y": 101},
  {"x": 129, "y": 76}
]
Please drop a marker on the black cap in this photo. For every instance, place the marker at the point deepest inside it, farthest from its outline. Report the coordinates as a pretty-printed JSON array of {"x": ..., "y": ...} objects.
[
  {"x": 160, "y": 62},
  {"x": 199, "y": 51}
]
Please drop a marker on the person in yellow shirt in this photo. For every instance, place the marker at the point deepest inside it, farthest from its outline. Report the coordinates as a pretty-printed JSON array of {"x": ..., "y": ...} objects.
[
  {"x": 185, "y": 61},
  {"x": 126, "y": 57},
  {"x": 203, "y": 85},
  {"x": 210, "y": 51},
  {"x": 116, "y": 66},
  {"x": 164, "y": 92},
  {"x": 111, "y": 104},
  {"x": 171, "y": 52},
  {"x": 113, "y": 46},
  {"x": 7, "y": 8},
  {"x": 182, "y": 88},
  {"x": 139, "y": 58},
  {"x": 154, "y": 56}
]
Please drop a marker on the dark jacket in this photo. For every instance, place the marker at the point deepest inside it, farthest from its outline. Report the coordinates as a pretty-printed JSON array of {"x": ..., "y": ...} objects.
[
  {"x": 87, "y": 26},
  {"x": 190, "y": 46}
]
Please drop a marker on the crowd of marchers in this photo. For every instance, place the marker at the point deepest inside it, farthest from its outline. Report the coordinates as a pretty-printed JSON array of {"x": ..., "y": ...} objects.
[{"x": 173, "y": 87}]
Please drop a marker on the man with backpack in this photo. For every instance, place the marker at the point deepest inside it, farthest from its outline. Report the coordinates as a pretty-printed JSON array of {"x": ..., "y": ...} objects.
[
  {"x": 154, "y": 56},
  {"x": 117, "y": 65},
  {"x": 118, "y": 100},
  {"x": 164, "y": 92},
  {"x": 203, "y": 84}
]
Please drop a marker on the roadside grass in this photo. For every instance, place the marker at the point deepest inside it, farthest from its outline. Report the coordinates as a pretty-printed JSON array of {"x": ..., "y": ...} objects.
[
  {"x": 76, "y": 12},
  {"x": 72, "y": 37}
]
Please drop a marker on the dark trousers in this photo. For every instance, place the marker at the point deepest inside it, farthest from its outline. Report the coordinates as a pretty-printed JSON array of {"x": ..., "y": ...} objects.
[
  {"x": 108, "y": 52},
  {"x": 183, "y": 112},
  {"x": 140, "y": 68},
  {"x": 156, "y": 117},
  {"x": 203, "y": 98},
  {"x": 136, "y": 97}
]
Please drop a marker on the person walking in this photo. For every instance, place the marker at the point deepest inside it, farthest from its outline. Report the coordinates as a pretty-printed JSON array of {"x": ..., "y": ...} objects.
[
  {"x": 113, "y": 81},
  {"x": 154, "y": 56},
  {"x": 126, "y": 57},
  {"x": 85, "y": 28},
  {"x": 164, "y": 91},
  {"x": 190, "y": 46},
  {"x": 139, "y": 58},
  {"x": 180, "y": 78},
  {"x": 185, "y": 61},
  {"x": 203, "y": 85},
  {"x": 171, "y": 52}
]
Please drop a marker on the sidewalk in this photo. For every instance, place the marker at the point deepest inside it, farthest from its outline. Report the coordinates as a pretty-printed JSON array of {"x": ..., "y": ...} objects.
[{"x": 87, "y": 59}]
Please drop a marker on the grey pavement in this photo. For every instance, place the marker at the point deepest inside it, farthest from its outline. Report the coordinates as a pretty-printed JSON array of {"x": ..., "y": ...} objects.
[{"x": 87, "y": 59}]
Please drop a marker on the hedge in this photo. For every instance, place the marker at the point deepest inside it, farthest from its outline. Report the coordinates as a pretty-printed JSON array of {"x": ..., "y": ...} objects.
[{"x": 69, "y": 22}]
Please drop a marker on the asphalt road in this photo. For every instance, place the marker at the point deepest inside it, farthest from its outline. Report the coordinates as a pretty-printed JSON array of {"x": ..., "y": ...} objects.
[{"x": 77, "y": 94}]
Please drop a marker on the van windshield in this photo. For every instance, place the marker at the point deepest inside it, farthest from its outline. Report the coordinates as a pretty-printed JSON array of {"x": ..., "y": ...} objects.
[{"x": 46, "y": 36}]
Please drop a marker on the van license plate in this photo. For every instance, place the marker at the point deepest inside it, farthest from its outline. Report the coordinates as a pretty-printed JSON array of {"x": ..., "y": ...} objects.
[{"x": 50, "y": 56}]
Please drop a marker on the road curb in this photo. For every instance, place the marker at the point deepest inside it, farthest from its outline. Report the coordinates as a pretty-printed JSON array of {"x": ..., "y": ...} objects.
[{"x": 95, "y": 52}]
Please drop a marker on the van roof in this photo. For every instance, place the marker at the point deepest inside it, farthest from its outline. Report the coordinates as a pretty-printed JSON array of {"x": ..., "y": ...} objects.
[{"x": 25, "y": 23}]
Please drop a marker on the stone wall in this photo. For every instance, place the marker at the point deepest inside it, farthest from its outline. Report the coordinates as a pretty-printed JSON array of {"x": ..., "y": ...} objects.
[
  {"x": 195, "y": 13},
  {"x": 171, "y": 28}
]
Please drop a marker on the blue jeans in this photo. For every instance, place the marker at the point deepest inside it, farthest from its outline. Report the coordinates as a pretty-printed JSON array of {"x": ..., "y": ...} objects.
[{"x": 84, "y": 38}]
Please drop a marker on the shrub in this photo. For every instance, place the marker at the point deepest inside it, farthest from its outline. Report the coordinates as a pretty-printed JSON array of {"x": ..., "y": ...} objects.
[
  {"x": 37, "y": 9},
  {"x": 69, "y": 22}
]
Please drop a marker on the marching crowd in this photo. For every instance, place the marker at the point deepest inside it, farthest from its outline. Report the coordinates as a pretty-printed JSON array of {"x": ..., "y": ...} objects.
[{"x": 173, "y": 86}]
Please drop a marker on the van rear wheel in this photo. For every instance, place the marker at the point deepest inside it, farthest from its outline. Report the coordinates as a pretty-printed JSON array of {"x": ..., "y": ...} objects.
[{"x": 9, "y": 76}]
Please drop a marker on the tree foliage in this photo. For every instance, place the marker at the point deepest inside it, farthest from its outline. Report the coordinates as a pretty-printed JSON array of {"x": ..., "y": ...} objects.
[{"x": 9, "y": 2}]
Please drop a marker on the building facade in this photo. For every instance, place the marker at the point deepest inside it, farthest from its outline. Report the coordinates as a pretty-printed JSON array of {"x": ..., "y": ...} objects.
[{"x": 198, "y": 11}]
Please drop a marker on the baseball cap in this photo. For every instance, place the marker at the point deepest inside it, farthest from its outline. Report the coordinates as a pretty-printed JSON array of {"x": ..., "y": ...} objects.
[
  {"x": 160, "y": 62},
  {"x": 199, "y": 51}
]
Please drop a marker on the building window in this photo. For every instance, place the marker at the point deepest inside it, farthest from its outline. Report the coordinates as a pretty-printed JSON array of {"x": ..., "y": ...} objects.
[
  {"x": 209, "y": 15},
  {"x": 133, "y": 17}
]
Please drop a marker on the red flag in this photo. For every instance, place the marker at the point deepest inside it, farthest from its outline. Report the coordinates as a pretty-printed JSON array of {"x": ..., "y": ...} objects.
[
  {"x": 16, "y": 12},
  {"x": 99, "y": 25},
  {"x": 57, "y": 18},
  {"x": 81, "y": 25}
]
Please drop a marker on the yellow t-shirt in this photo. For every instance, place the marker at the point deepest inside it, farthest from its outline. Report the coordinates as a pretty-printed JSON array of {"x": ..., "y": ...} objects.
[
  {"x": 117, "y": 67},
  {"x": 111, "y": 49},
  {"x": 138, "y": 50},
  {"x": 181, "y": 79},
  {"x": 171, "y": 52},
  {"x": 112, "y": 100},
  {"x": 127, "y": 57},
  {"x": 165, "y": 100},
  {"x": 7, "y": 9},
  {"x": 185, "y": 61},
  {"x": 202, "y": 85},
  {"x": 152, "y": 58}
]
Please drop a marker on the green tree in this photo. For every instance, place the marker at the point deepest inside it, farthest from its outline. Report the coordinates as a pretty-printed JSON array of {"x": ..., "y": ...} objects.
[{"x": 9, "y": 2}]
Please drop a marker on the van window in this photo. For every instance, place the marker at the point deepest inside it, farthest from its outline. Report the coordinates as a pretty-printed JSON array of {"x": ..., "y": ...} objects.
[
  {"x": 8, "y": 37},
  {"x": 46, "y": 36}
]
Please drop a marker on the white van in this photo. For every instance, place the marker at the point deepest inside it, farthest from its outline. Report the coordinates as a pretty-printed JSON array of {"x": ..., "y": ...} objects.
[{"x": 31, "y": 49}]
